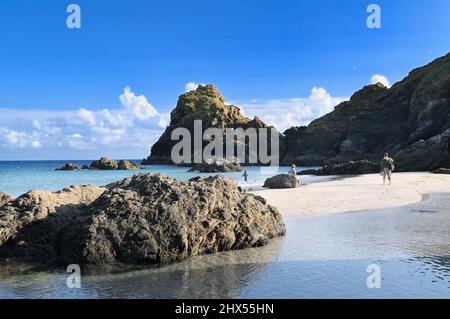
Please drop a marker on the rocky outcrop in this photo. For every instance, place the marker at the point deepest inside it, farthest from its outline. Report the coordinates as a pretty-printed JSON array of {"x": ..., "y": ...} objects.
[
  {"x": 282, "y": 181},
  {"x": 205, "y": 104},
  {"x": 441, "y": 171},
  {"x": 410, "y": 121},
  {"x": 104, "y": 164},
  {"x": 217, "y": 166},
  {"x": 147, "y": 218},
  {"x": 348, "y": 168},
  {"x": 127, "y": 165},
  {"x": 32, "y": 225},
  {"x": 69, "y": 167},
  {"x": 4, "y": 199}
]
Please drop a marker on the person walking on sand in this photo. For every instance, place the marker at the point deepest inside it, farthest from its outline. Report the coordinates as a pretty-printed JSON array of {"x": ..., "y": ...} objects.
[
  {"x": 245, "y": 176},
  {"x": 387, "y": 166},
  {"x": 293, "y": 171}
]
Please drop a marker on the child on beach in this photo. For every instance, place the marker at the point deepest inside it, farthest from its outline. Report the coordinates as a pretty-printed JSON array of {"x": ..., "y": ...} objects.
[{"x": 245, "y": 176}]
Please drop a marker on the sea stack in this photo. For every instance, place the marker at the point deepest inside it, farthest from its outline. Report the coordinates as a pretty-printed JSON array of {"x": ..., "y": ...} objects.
[{"x": 205, "y": 104}]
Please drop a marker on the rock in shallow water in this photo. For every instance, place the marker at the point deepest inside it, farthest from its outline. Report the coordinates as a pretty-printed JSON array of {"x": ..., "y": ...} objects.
[{"x": 148, "y": 218}]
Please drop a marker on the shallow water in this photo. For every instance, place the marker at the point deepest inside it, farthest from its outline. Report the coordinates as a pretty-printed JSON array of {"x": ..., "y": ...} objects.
[
  {"x": 320, "y": 257},
  {"x": 18, "y": 177}
]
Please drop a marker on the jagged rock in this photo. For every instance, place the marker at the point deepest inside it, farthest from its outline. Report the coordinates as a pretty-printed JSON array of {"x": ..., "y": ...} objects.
[
  {"x": 104, "y": 163},
  {"x": 31, "y": 226},
  {"x": 147, "y": 218},
  {"x": 4, "y": 199},
  {"x": 410, "y": 121},
  {"x": 127, "y": 165},
  {"x": 205, "y": 104},
  {"x": 217, "y": 166},
  {"x": 282, "y": 181},
  {"x": 69, "y": 167},
  {"x": 441, "y": 171}
]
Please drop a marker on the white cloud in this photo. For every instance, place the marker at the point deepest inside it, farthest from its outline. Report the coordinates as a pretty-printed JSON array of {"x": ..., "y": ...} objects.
[
  {"x": 84, "y": 131},
  {"x": 191, "y": 86},
  {"x": 285, "y": 113},
  {"x": 377, "y": 78},
  {"x": 87, "y": 116},
  {"x": 139, "y": 105},
  {"x": 36, "y": 144},
  {"x": 18, "y": 139}
]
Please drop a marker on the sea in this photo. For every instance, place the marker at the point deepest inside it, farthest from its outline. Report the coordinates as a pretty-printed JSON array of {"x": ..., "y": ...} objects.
[{"x": 401, "y": 252}]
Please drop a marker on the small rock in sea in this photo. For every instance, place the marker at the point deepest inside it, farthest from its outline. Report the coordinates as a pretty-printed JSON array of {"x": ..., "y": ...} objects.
[
  {"x": 69, "y": 167},
  {"x": 103, "y": 164},
  {"x": 127, "y": 165}
]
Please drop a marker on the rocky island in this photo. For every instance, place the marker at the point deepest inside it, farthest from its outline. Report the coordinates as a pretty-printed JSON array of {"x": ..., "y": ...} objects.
[
  {"x": 144, "y": 219},
  {"x": 103, "y": 164}
]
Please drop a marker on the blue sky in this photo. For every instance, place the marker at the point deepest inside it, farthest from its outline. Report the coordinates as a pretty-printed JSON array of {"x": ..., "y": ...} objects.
[{"x": 60, "y": 88}]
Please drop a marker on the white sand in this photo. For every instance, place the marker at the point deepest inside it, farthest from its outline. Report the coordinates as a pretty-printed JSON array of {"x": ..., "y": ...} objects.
[{"x": 351, "y": 194}]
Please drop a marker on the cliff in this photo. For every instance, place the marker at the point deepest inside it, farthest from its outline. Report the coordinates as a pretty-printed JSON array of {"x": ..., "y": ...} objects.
[{"x": 411, "y": 121}]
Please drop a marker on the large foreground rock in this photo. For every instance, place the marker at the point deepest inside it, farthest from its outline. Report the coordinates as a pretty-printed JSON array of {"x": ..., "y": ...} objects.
[
  {"x": 282, "y": 181},
  {"x": 217, "y": 166},
  {"x": 31, "y": 226},
  {"x": 148, "y": 218}
]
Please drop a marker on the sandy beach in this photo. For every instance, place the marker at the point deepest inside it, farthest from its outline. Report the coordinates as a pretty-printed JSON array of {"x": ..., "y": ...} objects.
[{"x": 352, "y": 194}]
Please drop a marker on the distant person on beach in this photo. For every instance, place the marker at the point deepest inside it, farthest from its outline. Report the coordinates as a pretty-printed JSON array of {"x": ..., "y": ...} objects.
[
  {"x": 293, "y": 171},
  {"x": 245, "y": 176},
  {"x": 387, "y": 166}
]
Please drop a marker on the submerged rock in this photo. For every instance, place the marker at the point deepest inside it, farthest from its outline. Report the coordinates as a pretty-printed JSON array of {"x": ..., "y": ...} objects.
[
  {"x": 217, "y": 166},
  {"x": 148, "y": 218},
  {"x": 282, "y": 181}
]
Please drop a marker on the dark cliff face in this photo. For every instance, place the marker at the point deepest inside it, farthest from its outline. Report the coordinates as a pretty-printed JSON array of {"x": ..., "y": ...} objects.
[
  {"x": 411, "y": 121},
  {"x": 205, "y": 104}
]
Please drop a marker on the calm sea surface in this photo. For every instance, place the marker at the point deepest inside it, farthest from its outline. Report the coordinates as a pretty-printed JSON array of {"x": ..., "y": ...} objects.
[{"x": 320, "y": 257}]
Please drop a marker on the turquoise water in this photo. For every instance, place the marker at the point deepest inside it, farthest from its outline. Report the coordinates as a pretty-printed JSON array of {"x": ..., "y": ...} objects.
[{"x": 18, "y": 177}]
